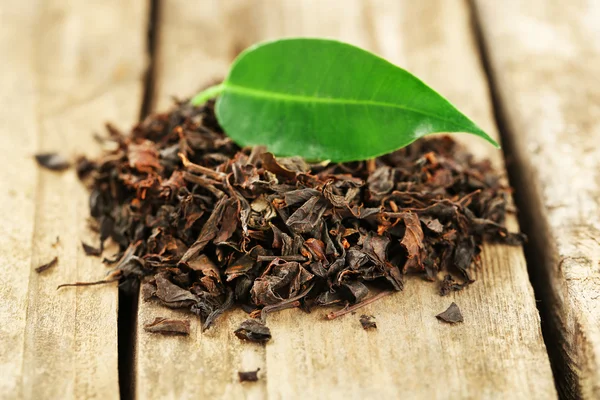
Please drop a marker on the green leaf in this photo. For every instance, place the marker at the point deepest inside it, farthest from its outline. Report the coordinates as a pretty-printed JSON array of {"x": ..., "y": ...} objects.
[{"x": 326, "y": 100}]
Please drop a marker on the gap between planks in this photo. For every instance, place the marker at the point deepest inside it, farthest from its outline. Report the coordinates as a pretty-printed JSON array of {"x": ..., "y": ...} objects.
[
  {"x": 545, "y": 91},
  {"x": 152, "y": 36},
  {"x": 127, "y": 320},
  {"x": 525, "y": 205}
]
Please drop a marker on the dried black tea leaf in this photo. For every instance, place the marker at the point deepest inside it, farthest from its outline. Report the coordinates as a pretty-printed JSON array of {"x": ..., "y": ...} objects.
[
  {"x": 449, "y": 285},
  {"x": 248, "y": 376},
  {"x": 254, "y": 331},
  {"x": 433, "y": 224},
  {"x": 84, "y": 167},
  {"x": 451, "y": 315},
  {"x": 172, "y": 295},
  {"x": 168, "y": 326},
  {"x": 46, "y": 266},
  {"x": 52, "y": 161},
  {"x": 91, "y": 250},
  {"x": 413, "y": 235},
  {"x": 148, "y": 291},
  {"x": 368, "y": 322}
]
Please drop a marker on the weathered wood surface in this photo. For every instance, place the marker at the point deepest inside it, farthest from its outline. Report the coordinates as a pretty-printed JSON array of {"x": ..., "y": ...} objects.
[
  {"x": 497, "y": 353},
  {"x": 545, "y": 58},
  {"x": 67, "y": 67}
]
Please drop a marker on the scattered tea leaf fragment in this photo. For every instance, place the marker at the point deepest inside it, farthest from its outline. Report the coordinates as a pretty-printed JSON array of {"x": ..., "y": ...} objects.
[
  {"x": 254, "y": 331},
  {"x": 248, "y": 376},
  {"x": 452, "y": 315},
  {"x": 52, "y": 161},
  {"x": 168, "y": 326},
  {"x": 368, "y": 322},
  {"x": 327, "y": 100},
  {"x": 449, "y": 285},
  {"x": 46, "y": 266},
  {"x": 91, "y": 250}
]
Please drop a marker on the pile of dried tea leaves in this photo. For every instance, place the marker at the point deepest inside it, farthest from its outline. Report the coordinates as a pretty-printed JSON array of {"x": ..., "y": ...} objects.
[{"x": 211, "y": 226}]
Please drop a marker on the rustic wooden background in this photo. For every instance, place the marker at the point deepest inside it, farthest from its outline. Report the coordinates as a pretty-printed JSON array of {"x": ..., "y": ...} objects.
[{"x": 528, "y": 66}]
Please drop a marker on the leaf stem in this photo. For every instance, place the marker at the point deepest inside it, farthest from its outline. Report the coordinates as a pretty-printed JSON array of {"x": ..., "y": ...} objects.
[
  {"x": 207, "y": 94},
  {"x": 283, "y": 304},
  {"x": 199, "y": 169},
  {"x": 344, "y": 311}
]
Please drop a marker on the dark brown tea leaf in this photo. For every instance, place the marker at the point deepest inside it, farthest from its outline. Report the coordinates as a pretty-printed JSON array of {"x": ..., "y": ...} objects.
[
  {"x": 248, "y": 376},
  {"x": 433, "y": 224},
  {"x": 254, "y": 331},
  {"x": 46, "y": 266},
  {"x": 368, "y": 322},
  {"x": 172, "y": 295},
  {"x": 452, "y": 315},
  {"x": 91, "y": 250},
  {"x": 449, "y": 285},
  {"x": 413, "y": 236},
  {"x": 52, "y": 161},
  {"x": 168, "y": 326}
]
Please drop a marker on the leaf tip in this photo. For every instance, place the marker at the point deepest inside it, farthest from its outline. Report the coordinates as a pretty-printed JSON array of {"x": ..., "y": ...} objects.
[
  {"x": 493, "y": 142},
  {"x": 481, "y": 133}
]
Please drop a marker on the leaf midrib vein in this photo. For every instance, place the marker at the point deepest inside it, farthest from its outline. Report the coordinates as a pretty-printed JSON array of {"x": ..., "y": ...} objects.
[{"x": 324, "y": 100}]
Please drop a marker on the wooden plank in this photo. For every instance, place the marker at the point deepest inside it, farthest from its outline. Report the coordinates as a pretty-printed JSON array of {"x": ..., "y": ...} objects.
[
  {"x": 545, "y": 58},
  {"x": 67, "y": 67},
  {"x": 497, "y": 353}
]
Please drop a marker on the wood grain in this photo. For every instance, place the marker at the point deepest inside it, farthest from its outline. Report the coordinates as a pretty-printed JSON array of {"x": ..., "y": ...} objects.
[
  {"x": 497, "y": 353},
  {"x": 67, "y": 67},
  {"x": 545, "y": 58}
]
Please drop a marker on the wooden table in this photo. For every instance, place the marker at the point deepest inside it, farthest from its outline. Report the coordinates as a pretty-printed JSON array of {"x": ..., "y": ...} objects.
[{"x": 527, "y": 66}]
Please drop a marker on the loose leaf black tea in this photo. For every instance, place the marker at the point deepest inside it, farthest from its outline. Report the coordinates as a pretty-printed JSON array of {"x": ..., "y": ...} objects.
[
  {"x": 52, "y": 161},
  {"x": 254, "y": 331},
  {"x": 248, "y": 376},
  {"x": 451, "y": 315},
  {"x": 368, "y": 322},
  {"x": 209, "y": 225},
  {"x": 46, "y": 266},
  {"x": 91, "y": 250},
  {"x": 450, "y": 285},
  {"x": 168, "y": 326}
]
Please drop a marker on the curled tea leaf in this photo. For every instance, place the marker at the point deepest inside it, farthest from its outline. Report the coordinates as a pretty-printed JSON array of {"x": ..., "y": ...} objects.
[
  {"x": 413, "y": 237},
  {"x": 168, "y": 326},
  {"x": 91, "y": 250},
  {"x": 52, "y": 161},
  {"x": 254, "y": 331},
  {"x": 248, "y": 376},
  {"x": 172, "y": 295},
  {"x": 47, "y": 265}
]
